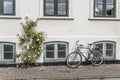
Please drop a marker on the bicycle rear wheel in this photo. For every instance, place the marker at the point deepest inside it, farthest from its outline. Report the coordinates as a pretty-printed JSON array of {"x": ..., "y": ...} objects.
[
  {"x": 97, "y": 58},
  {"x": 73, "y": 60}
]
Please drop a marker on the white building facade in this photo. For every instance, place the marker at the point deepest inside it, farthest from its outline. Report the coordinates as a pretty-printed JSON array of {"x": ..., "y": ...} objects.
[{"x": 64, "y": 22}]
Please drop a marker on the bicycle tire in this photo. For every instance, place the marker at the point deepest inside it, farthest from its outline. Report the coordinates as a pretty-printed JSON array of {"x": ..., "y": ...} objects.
[
  {"x": 97, "y": 58},
  {"x": 74, "y": 59}
]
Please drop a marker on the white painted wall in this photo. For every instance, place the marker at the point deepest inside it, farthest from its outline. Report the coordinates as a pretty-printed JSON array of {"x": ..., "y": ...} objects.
[{"x": 80, "y": 28}]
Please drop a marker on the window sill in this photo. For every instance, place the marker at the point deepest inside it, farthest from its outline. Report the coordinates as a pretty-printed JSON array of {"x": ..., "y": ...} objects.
[
  {"x": 104, "y": 19},
  {"x": 56, "y": 18},
  {"x": 10, "y": 17}
]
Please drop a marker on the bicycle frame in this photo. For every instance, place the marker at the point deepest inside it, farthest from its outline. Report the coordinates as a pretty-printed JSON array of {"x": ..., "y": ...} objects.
[{"x": 82, "y": 55}]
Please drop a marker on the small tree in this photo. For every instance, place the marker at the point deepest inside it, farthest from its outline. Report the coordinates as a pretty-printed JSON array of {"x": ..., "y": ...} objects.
[{"x": 30, "y": 42}]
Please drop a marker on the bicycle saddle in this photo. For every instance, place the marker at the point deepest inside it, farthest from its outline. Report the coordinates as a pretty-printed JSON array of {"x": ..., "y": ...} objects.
[
  {"x": 90, "y": 44},
  {"x": 81, "y": 45}
]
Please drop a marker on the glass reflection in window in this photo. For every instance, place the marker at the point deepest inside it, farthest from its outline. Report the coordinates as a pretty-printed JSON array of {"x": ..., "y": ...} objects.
[{"x": 8, "y": 7}]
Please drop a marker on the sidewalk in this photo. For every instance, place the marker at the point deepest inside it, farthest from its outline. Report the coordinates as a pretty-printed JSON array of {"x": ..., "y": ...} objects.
[{"x": 60, "y": 72}]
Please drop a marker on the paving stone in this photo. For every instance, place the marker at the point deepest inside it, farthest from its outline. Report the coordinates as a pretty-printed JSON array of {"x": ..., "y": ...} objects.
[{"x": 62, "y": 72}]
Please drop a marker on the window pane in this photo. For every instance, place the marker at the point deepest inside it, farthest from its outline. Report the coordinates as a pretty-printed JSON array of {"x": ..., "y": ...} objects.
[
  {"x": 63, "y": 1},
  {"x": 109, "y": 7},
  {"x": 98, "y": 7},
  {"x": 8, "y": 55},
  {"x": 100, "y": 46},
  {"x": 61, "y": 8},
  {"x": 109, "y": 53},
  {"x": 49, "y": 8},
  {"x": 109, "y": 46},
  {"x": 8, "y": 7},
  {"x": 8, "y": 52},
  {"x": 50, "y": 51},
  {"x": 8, "y": 48},
  {"x": 49, "y": 1},
  {"x": 109, "y": 1},
  {"x": 109, "y": 49},
  {"x": 61, "y": 50}
]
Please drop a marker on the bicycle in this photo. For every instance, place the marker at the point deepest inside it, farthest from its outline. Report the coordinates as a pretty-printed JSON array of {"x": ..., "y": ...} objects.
[{"x": 74, "y": 59}]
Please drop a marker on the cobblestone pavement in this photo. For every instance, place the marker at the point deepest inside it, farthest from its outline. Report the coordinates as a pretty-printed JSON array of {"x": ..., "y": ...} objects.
[{"x": 61, "y": 72}]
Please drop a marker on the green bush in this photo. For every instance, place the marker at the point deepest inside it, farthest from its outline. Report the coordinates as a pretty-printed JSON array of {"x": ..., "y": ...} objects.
[{"x": 30, "y": 42}]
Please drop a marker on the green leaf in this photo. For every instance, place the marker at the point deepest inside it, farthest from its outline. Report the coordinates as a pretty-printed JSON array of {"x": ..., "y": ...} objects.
[{"x": 30, "y": 42}]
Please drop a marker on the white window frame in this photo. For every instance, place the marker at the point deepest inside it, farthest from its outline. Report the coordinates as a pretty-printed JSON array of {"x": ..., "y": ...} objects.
[
  {"x": 92, "y": 17},
  {"x": 113, "y": 57},
  {"x": 2, "y": 52},
  {"x": 56, "y": 58}
]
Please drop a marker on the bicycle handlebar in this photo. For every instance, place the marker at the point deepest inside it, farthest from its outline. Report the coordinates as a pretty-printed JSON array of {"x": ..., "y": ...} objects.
[
  {"x": 80, "y": 45},
  {"x": 77, "y": 43}
]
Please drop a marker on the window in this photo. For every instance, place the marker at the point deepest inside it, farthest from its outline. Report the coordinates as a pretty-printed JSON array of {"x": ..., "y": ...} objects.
[
  {"x": 104, "y": 8},
  {"x": 56, "y": 7},
  {"x": 55, "y": 51},
  {"x": 7, "y": 7},
  {"x": 107, "y": 48},
  {"x": 7, "y": 51}
]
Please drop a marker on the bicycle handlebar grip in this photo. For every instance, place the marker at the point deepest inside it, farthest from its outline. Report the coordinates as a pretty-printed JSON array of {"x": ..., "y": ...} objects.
[{"x": 77, "y": 41}]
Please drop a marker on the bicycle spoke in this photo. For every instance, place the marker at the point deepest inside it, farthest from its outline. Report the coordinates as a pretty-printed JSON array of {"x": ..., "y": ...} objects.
[
  {"x": 73, "y": 60},
  {"x": 97, "y": 58}
]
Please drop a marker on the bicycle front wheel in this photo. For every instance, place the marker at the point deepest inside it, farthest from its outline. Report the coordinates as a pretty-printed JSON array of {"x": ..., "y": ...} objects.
[
  {"x": 73, "y": 60},
  {"x": 97, "y": 58}
]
